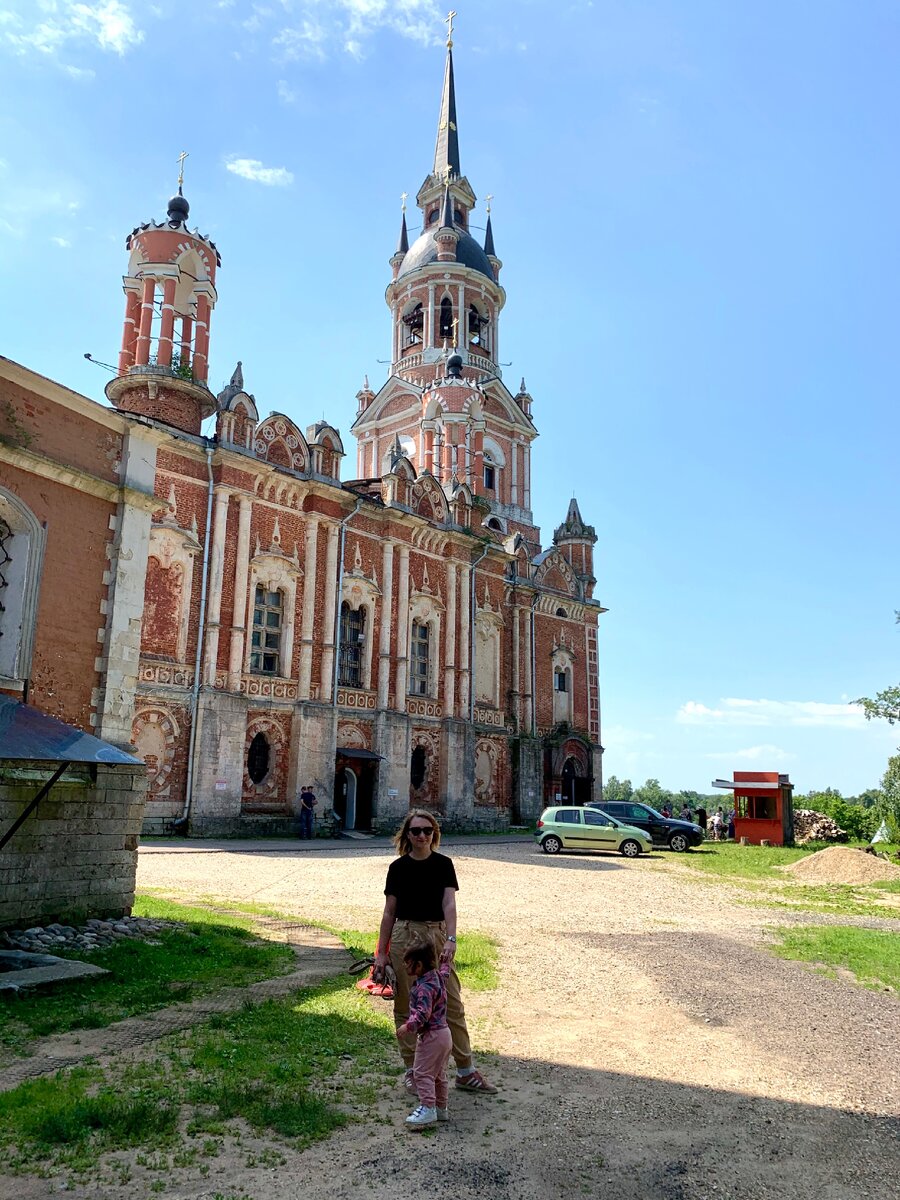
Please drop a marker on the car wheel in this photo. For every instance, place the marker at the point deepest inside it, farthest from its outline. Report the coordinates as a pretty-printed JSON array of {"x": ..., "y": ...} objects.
[
  {"x": 679, "y": 842},
  {"x": 631, "y": 848},
  {"x": 551, "y": 845}
]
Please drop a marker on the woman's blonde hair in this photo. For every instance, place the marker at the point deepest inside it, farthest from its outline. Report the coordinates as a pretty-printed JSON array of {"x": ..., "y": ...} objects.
[{"x": 402, "y": 841}]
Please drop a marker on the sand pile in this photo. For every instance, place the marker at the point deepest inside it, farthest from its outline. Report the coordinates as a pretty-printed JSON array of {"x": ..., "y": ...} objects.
[{"x": 842, "y": 864}]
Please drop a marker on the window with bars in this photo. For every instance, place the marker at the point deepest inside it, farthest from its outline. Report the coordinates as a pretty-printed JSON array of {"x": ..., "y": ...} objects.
[
  {"x": 353, "y": 640},
  {"x": 419, "y": 646},
  {"x": 265, "y": 648}
]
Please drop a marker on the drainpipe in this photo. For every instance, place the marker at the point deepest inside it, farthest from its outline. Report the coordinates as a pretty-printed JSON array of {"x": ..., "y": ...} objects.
[
  {"x": 335, "y": 670},
  {"x": 534, "y": 600},
  {"x": 182, "y": 821},
  {"x": 472, "y": 634}
]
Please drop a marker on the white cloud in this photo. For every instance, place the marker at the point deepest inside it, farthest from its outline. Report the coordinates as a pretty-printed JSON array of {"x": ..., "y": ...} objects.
[
  {"x": 62, "y": 242},
  {"x": 765, "y": 753},
  {"x": 253, "y": 169},
  {"x": 47, "y": 26},
  {"x": 80, "y": 74},
  {"x": 783, "y": 713},
  {"x": 348, "y": 25}
]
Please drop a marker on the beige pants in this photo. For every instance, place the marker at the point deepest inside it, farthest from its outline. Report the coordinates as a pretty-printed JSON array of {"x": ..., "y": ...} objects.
[{"x": 411, "y": 933}]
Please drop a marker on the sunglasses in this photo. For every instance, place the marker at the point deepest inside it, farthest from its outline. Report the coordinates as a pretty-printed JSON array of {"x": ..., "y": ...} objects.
[{"x": 421, "y": 831}]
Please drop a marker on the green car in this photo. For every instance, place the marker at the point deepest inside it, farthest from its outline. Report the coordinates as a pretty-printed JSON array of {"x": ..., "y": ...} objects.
[{"x": 586, "y": 829}]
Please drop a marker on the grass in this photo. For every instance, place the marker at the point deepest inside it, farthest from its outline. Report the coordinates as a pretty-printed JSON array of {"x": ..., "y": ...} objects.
[
  {"x": 476, "y": 956},
  {"x": 291, "y": 1067},
  {"x": 207, "y": 951},
  {"x": 755, "y": 862},
  {"x": 873, "y": 955}
]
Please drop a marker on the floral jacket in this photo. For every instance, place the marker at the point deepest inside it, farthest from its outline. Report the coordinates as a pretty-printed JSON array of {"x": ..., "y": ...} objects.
[{"x": 428, "y": 1001}]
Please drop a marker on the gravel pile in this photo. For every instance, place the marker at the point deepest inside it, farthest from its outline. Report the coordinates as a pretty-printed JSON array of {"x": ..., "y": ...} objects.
[
  {"x": 843, "y": 864},
  {"x": 48, "y": 939}
]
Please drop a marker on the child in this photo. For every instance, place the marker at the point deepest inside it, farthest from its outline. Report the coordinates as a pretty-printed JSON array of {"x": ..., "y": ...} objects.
[{"x": 428, "y": 1018}]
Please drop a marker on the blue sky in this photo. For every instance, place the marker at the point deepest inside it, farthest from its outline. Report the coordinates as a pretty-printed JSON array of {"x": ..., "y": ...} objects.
[{"x": 696, "y": 205}]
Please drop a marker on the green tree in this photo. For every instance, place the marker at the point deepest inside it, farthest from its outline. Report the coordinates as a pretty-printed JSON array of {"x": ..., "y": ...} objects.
[
  {"x": 859, "y": 822},
  {"x": 888, "y": 807},
  {"x": 886, "y": 705},
  {"x": 616, "y": 789},
  {"x": 653, "y": 793}
]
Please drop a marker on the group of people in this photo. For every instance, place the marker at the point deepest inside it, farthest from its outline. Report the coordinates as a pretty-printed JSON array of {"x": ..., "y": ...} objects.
[
  {"x": 417, "y": 936},
  {"x": 720, "y": 825}
]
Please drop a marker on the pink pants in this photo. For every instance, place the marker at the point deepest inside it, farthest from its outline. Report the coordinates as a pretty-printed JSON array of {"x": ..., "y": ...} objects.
[{"x": 430, "y": 1067}]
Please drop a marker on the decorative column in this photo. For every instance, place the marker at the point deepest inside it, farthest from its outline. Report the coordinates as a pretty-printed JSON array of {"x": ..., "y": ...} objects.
[
  {"x": 514, "y": 455},
  {"x": 529, "y": 698},
  {"x": 461, "y": 453},
  {"x": 241, "y": 574},
  {"x": 386, "y": 624},
  {"x": 450, "y": 642},
  {"x": 428, "y": 339},
  {"x": 478, "y": 464},
  {"x": 526, "y": 485},
  {"x": 167, "y": 324},
  {"x": 187, "y": 333},
  {"x": 201, "y": 340},
  {"x": 462, "y": 331},
  {"x": 465, "y": 634},
  {"x": 142, "y": 349},
  {"x": 328, "y": 628},
  {"x": 309, "y": 607},
  {"x": 217, "y": 564},
  {"x": 401, "y": 678},
  {"x": 428, "y": 457},
  {"x": 516, "y": 665},
  {"x": 130, "y": 331}
]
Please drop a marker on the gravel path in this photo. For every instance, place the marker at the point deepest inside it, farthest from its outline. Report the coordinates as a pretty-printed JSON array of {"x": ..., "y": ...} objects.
[{"x": 647, "y": 1044}]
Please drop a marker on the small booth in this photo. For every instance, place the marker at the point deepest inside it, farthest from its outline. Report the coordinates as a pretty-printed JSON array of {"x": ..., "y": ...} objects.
[{"x": 763, "y": 807}]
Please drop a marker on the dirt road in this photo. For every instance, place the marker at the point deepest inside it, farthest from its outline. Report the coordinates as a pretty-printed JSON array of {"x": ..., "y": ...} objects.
[{"x": 647, "y": 1044}]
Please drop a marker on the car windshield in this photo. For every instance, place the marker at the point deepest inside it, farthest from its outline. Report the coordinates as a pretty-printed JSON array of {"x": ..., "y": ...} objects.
[
  {"x": 612, "y": 820},
  {"x": 654, "y": 813}
]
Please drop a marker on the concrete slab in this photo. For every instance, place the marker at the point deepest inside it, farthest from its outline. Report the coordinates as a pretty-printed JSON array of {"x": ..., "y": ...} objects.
[{"x": 21, "y": 971}]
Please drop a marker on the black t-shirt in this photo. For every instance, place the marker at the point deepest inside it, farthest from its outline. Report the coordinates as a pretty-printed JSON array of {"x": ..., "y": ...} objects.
[{"x": 419, "y": 884}]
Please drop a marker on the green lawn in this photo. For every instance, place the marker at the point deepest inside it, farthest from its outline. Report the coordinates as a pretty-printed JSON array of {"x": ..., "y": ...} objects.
[
  {"x": 873, "y": 955},
  {"x": 205, "y": 952},
  {"x": 476, "y": 956}
]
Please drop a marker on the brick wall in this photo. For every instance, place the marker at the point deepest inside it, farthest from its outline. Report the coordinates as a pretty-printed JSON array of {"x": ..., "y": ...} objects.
[{"x": 76, "y": 855}]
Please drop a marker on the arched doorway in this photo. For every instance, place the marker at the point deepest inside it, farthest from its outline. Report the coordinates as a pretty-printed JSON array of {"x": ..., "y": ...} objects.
[
  {"x": 569, "y": 785},
  {"x": 349, "y": 798}
]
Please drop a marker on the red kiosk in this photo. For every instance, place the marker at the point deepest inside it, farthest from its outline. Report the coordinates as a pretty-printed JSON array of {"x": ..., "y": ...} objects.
[{"x": 763, "y": 807}]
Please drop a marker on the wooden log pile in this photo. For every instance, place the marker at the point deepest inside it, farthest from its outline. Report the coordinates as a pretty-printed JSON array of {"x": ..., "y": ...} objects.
[{"x": 812, "y": 826}]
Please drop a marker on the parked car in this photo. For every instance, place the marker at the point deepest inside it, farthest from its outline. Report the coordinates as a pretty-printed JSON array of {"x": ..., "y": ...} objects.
[
  {"x": 665, "y": 831},
  {"x": 586, "y": 829}
]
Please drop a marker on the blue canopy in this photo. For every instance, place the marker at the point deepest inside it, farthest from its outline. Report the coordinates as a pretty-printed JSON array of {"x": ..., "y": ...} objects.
[{"x": 27, "y": 734}]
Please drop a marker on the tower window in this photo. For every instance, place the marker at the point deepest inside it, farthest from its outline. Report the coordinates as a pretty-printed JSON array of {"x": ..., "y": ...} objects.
[
  {"x": 353, "y": 639},
  {"x": 445, "y": 327},
  {"x": 265, "y": 651},
  {"x": 560, "y": 681},
  {"x": 419, "y": 647},
  {"x": 476, "y": 326},
  {"x": 432, "y": 216},
  {"x": 414, "y": 321},
  {"x": 490, "y": 477}
]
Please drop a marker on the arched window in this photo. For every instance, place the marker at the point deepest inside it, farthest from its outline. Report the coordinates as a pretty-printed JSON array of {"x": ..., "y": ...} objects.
[
  {"x": 419, "y": 650},
  {"x": 493, "y": 523},
  {"x": 353, "y": 639},
  {"x": 268, "y": 616},
  {"x": 477, "y": 325},
  {"x": 258, "y": 757},
  {"x": 561, "y": 612},
  {"x": 563, "y": 698},
  {"x": 490, "y": 474},
  {"x": 445, "y": 325},
  {"x": 417, "y": 765},
  {"x": 414, "y": 320},
  {"x": 22, "y": 540}
]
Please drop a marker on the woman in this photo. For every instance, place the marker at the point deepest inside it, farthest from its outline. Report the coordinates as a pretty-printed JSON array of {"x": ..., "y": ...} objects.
[{"x": 420, "y": 906}]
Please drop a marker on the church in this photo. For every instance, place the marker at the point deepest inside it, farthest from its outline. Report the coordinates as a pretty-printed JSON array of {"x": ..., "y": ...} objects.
[{"x": 397, "y": 639}]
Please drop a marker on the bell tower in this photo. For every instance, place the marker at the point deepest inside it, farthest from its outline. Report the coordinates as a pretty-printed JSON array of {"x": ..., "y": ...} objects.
[{"x": 170, "y": 293}]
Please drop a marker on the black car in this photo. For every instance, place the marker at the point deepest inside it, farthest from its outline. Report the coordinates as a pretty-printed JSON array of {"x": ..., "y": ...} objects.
[{"x": 665, "y": 831}]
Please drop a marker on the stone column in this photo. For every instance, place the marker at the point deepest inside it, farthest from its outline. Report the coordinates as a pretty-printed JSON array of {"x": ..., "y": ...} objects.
[
  {"x": 328, "y": 628},
  {"x": 450, "y": 642},
  {"x": 526, "y": 483},
  {"x": 401, "y": 678},
  {"x": 428, "y": 458},
  {"x": 386, "y": 625},
  {"x": 201, "y": 340},
  {"x": 130, "y": 331},
  {"x": 514, "y": 482},
  {"x": 465, "y": 634},
  {"x": 529, "y": 698},
  {"x": 428, "y": 339},
  {"x": 217, "y": 563},
  {"x": 516, "y": 665},
  {"x": 462, "y": 335},
  {"x": 309, "y": 607},
  {"x": 142, "y": 351},
  {"x": 239, "y": 616},
  {"x": 187, "y": 333}
]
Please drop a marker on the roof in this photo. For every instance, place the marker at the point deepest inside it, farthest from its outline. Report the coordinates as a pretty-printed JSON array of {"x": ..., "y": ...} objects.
[
  {"x": 26, "y": 734},
  {"x": 424, "y": 250}
]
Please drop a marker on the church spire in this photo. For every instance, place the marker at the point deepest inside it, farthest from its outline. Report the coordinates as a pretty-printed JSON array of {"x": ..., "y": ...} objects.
[{"x": 446, "y": 150}]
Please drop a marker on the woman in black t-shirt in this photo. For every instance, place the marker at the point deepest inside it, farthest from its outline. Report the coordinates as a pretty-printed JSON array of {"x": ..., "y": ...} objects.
[{"x": 420, "y": 906}]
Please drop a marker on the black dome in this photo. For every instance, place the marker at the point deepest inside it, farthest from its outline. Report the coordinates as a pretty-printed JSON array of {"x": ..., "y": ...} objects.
[
  {"x": 424, "y": 250},
  {"x": 178, "y": 209}
]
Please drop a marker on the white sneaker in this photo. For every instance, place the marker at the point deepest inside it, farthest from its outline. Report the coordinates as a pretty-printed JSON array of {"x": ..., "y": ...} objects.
[
  {"x": 443, "y": 1114},
  {"x": 422, "y": 1117}
]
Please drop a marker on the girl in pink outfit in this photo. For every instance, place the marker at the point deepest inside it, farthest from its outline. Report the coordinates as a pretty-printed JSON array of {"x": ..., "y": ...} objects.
[{"x": 428, "y": 1018}]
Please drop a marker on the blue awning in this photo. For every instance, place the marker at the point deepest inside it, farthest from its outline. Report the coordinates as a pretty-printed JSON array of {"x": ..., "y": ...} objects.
[{"x": 26, "y": 734}]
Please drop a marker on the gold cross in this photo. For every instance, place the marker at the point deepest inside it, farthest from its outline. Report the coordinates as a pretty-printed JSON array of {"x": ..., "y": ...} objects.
[
  {"x": 488, "y": 198},
  {"x": 448, "y": 21},
  {"x": 455, "y": 321},
  {"x": 181, "y": 157},
  {"x": 403, "y": 196}
]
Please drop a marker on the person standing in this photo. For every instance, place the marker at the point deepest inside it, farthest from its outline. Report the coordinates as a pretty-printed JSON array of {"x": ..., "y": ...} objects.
[
  {"x": 702, "y": 818},
  {"x": 420, "y": 906},
  {"x": 308, "y": 804},
  {"x": 428, "y": 1021}
]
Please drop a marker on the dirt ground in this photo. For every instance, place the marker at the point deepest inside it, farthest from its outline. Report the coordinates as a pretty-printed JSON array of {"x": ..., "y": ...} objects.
[{"x": 647, "y": 1044}]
